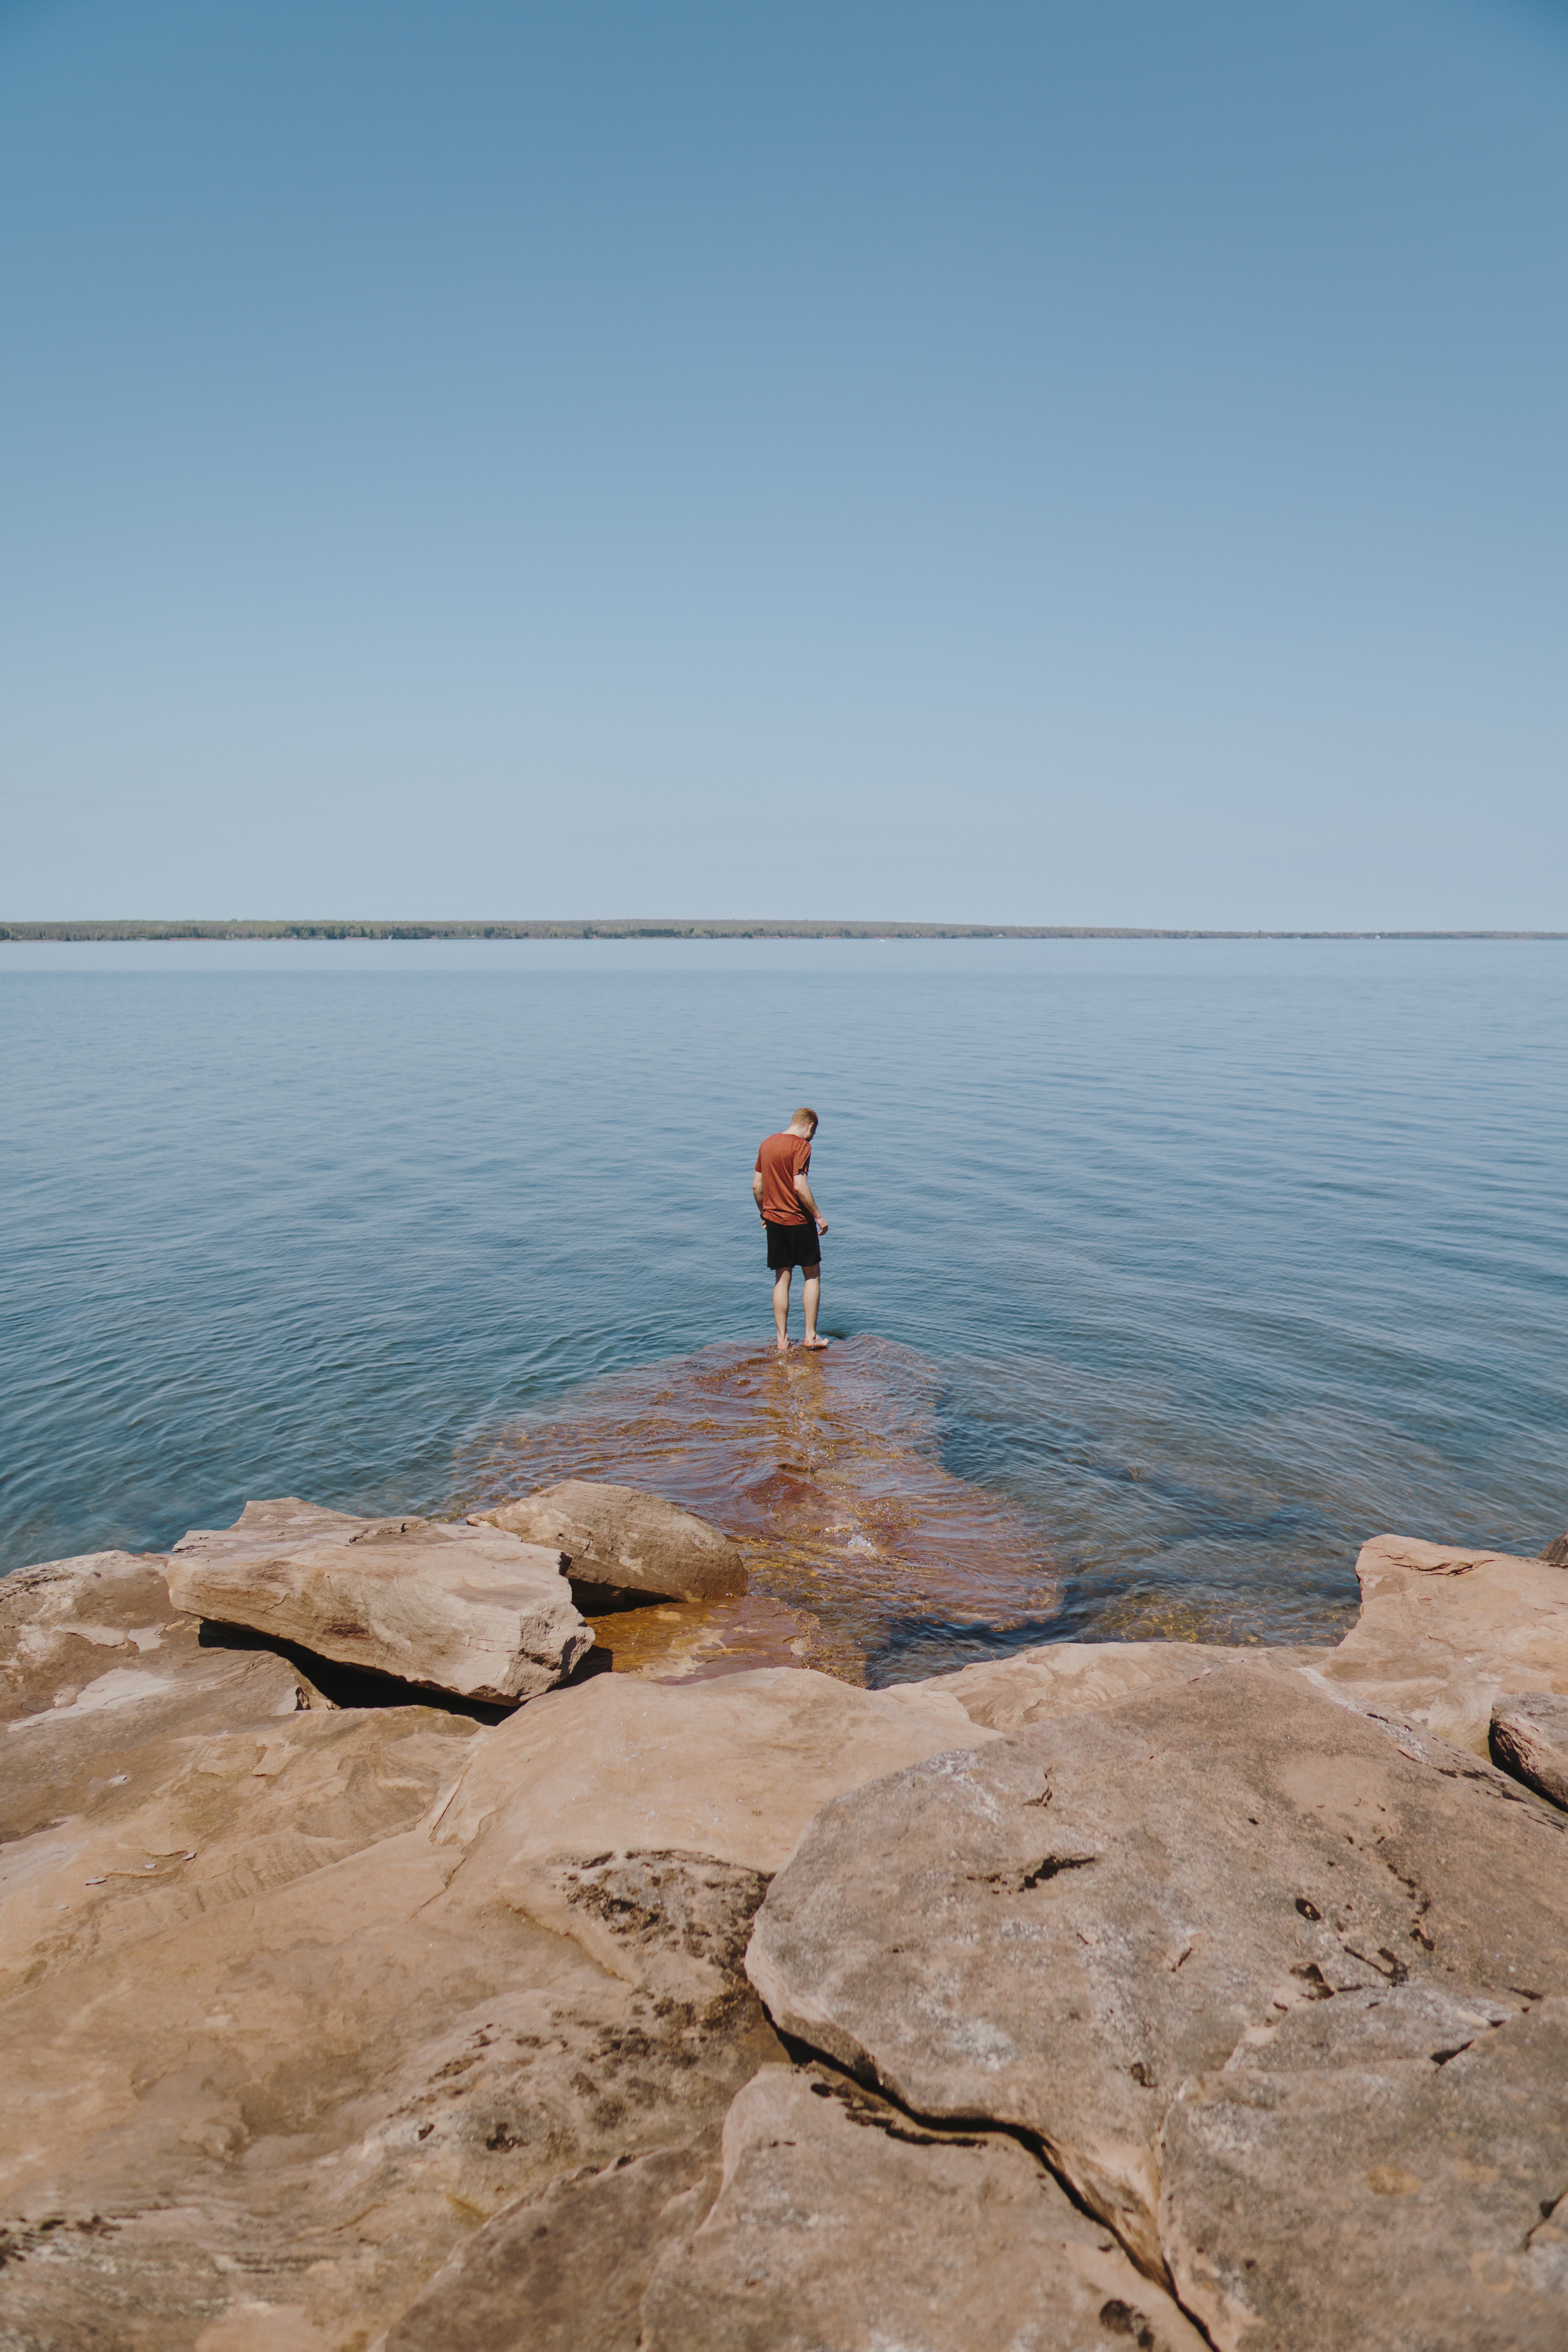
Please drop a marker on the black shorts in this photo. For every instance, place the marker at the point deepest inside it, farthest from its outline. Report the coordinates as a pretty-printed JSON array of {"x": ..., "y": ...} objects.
[{"x": 792, "y": 1246}]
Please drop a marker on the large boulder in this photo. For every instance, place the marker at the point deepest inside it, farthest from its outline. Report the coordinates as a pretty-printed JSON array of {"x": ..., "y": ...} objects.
[
  {"x": 841, "y": 2222},
  {"x": 731, "y": 1770},
  {"x": 1444, "y": 1632},
  {"x": 1382, "y": 2169},
  {"x": 623, "y": 1545},
  {"x": 440, "y": 1605},
  {"x": 1529, "y": 1739},
  {"x": 1056, "y": 1933}
]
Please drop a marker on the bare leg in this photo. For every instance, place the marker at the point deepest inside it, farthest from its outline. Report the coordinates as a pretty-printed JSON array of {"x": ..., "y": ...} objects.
[
  {"x": 810, "y": 1293},
  {"x": 781, "y": 1304}
]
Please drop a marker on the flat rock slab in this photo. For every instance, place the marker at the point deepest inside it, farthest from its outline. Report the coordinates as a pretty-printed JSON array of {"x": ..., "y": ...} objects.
[
  {"x": 625, "y": 1544},
  {"x": 1384, "y": 2169},
  {"x": 1444, "y": 1633},
  {"x": 1529, "y": 1739},
  {"x": 440, "y": 1605},
  {"x": 842, "y": 2227},
  {"x": 1059, "y": 1931},
  {"x": 1064, "y": 1678},
  {"x": 99, "y": 1670},
  {"x": 731, "y": 1769}
]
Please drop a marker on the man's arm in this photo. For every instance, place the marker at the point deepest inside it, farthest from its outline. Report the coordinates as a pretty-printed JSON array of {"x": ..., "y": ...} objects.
[
  {"x": 804, "y": 1195},
  {"x": 757, "y": 1190}
]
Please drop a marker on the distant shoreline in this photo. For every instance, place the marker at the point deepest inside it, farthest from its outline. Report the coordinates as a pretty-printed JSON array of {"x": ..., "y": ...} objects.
[{"x": 641, "y": 928}]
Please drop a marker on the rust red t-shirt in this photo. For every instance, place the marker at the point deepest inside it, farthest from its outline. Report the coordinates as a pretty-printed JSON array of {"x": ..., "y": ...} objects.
[{"x": 780, "y": 1160}]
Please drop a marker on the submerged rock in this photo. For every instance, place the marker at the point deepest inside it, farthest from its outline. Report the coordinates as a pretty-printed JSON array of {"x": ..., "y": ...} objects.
[
  {"x": 1056, "y": 1933},
  {"x": 621, "y": 1544},
  {"x": 440, "y": 1605},
  {"x": 1529, "y": 1739}
]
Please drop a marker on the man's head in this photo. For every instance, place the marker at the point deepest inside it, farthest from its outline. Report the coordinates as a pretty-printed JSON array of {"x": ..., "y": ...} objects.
[{"x": 804, "y": 1123}]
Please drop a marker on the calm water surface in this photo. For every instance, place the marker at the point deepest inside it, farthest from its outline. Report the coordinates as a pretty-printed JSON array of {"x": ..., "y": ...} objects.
[{"x": 1171, "y": 1270}]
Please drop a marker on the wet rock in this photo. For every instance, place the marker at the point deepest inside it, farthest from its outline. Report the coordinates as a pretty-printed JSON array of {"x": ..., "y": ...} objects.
[
  {"x": 438, "y": 1605},
  {"x": 732, "y": 1770},
  {"x": 1529, "y": 1739},
  {"x": 1056, "y": 1933},
  {"x": 1383, "y": 2170},
  {"x": 1555, "y": 1553},
  {"x": 1443, "y": 1634},
  {"x": 842, "y": 2223},
  {"x": 623, "y": 1545}
]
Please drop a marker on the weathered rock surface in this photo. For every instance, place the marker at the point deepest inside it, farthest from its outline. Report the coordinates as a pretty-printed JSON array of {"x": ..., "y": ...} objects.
[
  {"x": 841, "y": 2223},
  {"x": 732, "y": 1769},
  {"x": 1529, "y": 1739},
  {"x": 623, "y": 1543},
  {"x": 1064, "y": 1678},
  {"x": 1384, "y": 2169},
  {"x": 259, "y": 2094},
  {"x": 1555, "y": 1553},
  {"x": 438, "y": 1604},
  {"x": 566, "y": 2271},
  {"x": 1443, "y": 1634},
  {"x": 1056, "y": 1933}
]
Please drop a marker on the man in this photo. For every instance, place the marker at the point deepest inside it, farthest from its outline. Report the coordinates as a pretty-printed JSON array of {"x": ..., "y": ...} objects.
[{"x": 783, "y": 1195}]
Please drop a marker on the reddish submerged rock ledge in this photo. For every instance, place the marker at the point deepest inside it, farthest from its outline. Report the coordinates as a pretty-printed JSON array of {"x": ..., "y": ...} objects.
[{"x": 1144, "y": 1992}]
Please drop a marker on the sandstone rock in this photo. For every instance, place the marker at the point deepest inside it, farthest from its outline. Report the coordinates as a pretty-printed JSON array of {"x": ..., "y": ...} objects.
[
  {"x": 732, "y": 1769},
  {"x": 1443, "y": 1634},
  {"x": 440, "y": 1605},
  {"x": 1062, "y": 1677},
  {"x": 98, "y": 1672},
  {"x": 842, "y": 2225},
  {"x": 1555, "y": 1553},
  {"x": 625, "y": 1545},
  {"x": 289, "y": 2078},
  {"x": 1529, "y": 1739},
  {"x": 1382, "y": 2169},
  {"x": 566, "y": 2271},
  {"x": 1056, "y": 1933}
]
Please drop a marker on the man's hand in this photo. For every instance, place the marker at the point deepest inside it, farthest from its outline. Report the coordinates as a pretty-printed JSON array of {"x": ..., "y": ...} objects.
[{"x": 822, "y": 1224}]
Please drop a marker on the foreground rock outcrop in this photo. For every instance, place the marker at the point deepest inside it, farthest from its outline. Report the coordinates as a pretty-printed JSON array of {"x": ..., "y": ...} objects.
[
  {"x": 1529, "y": 1739},
  {"x": 621, "y": 1544},
  {"x": 442, "y": 1605},
  {"x": 1142, "y": 1993},
  {"x": 1072, "y": 1929}
]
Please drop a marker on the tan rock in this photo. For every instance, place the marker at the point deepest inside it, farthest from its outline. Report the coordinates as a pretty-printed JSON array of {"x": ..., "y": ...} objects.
[
  {"x": 566, "y": 2271},
  {"x": 1529, "y": 1739},
  {"x": 439, "y": 1605},
  {"x": 1444, "y": 1632},
  {"x": 731, "y": 1770},
  {"x": 1057, "y": 1932},
  {"x": 623, "y": 1543},
  {"x": 1063, "y": 1677},
  {"x": 1384, "y": 2169},
  {"x": 842, "y": 2223},
  {"x": 291, "y": 2078}
]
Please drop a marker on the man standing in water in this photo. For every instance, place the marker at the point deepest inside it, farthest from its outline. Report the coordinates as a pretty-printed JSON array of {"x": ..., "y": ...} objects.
[{"x": 790, "y": 1220}]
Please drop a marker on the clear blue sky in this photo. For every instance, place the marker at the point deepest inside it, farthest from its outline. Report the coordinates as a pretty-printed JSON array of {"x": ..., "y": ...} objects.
[{"x": 1035, "y": 463}]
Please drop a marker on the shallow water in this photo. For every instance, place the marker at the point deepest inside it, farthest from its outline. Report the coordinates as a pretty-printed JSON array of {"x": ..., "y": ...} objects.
[{"x": 1193, "y": 1263}]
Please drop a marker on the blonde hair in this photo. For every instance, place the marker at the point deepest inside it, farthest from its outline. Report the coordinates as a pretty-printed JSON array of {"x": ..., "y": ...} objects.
[{"x": 804, "y": 1112}]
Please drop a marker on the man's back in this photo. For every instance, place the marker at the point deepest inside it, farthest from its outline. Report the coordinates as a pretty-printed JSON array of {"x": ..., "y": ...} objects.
[{"x": 780, "y": 1160}]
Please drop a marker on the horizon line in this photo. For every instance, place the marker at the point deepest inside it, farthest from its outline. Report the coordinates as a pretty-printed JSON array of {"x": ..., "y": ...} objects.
[{"x": 132, "y": 928}]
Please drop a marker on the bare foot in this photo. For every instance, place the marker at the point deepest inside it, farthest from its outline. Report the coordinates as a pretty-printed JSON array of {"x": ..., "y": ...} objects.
[
  {"x": 816, "y": 1343},
  {"x": 780, "y": 1347}
]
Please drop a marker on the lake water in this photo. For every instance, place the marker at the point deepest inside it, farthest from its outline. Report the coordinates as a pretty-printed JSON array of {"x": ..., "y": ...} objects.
[{"x": 1164, "y": 1273}]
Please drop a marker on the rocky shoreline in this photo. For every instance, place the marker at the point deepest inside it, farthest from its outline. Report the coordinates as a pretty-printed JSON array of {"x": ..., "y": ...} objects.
[{"x": 378, "y": 1975}]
